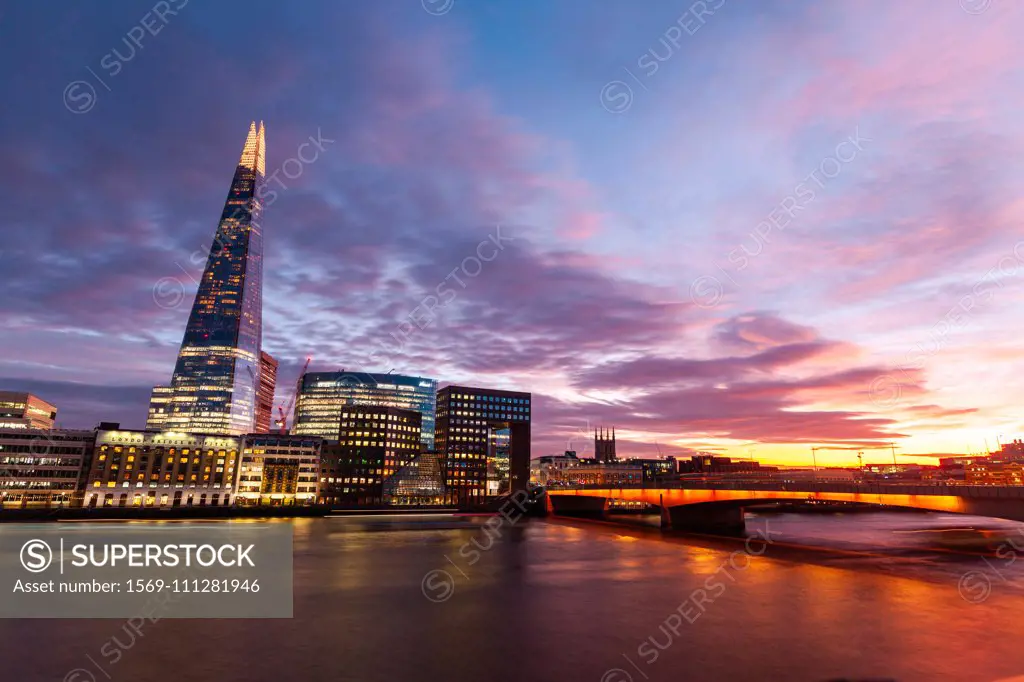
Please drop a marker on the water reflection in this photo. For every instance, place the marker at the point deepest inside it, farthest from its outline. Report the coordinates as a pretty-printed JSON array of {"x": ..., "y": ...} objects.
[{"x": 567, "y": 601}]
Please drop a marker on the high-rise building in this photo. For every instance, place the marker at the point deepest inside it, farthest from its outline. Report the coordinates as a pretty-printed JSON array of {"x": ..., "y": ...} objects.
[
  {"x": 374, "y": 444},
  {"x": 265, "y": 393},
  {"x": 471, "y": 437},
  {"x": 25, "y": 411},
  {"x": 214, "y": 386},
  {"x": 324, "y": 396},
  {"x": 159, "y": 407}
]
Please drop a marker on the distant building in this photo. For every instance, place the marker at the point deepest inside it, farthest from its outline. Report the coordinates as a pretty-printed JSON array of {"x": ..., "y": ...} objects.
[
  {"x": 712, "y": 465},
  {"x": 954, "y": 468},
  {"x": 374, "y": 444},
  {"x": 159, "y": 408},
  {"x": 549, "y": 469},
  {"x": 823, "y": 475},
  {"x": 278, "y": 470},
  {"x": 324, "y": 396},
  {"x": 43, "y": 468},
  {"x": 1010, "y": 452},
  {"x": 982, "y": 472},
  {"x": 468, "y": 424},
  {"x": 604, "y": 447},
  {"x": 957, "y": 462},
  {"x": 890, "y": 472},
  {"x": 613, "y": 474},
  {"x": 265, "y": 393},
  {"x": 941, "y": 474},
  {"x": 25, "y": 411},
  {"x": 161, "y": 468},
  {"x": 664, "y": 468}
]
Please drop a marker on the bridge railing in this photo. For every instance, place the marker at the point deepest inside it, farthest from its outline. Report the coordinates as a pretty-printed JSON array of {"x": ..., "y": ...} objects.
[{"x": 956, "y": 490}]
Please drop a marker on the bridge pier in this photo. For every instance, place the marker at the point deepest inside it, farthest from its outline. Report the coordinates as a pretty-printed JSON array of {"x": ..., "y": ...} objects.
[
  {"x": 719, "y": 519},
  {"x": 579, "y": 505}
]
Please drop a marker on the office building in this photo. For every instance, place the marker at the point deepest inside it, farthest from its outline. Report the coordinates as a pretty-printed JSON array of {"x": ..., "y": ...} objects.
[
  {"x": 324, "y": 396},
  {"x": 278, "y": 470},
  {"x": 468, "y": 440},
  {"x": 215, "y": 380},
  {"x": 660, "y": 469},
  {"x": 159, "y": 406},
  {"x": 265, "y": 393},
  {"x": 25, "y": 411},
  {"x": 374, "y": 444},
  {"x": 43, "y": 468},
  {"x": 162, "y": 468}
]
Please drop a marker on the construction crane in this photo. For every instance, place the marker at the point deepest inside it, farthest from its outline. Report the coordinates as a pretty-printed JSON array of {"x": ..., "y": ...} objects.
[
  {"x": 814, "y": 453},
  {"x": 890, "y": 446},
  {"x": 287, "y": 408}
]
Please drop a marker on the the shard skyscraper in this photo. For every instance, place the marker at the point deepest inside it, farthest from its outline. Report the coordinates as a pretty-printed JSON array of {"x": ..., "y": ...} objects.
[{"x": 216, "y": 377}]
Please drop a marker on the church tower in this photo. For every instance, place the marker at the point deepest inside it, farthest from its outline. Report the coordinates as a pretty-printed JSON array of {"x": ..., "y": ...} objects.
[{"x": 604, "y": 447}]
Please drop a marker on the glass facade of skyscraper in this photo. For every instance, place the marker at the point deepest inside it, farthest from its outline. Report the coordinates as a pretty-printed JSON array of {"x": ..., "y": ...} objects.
[
  {"x": 159, "y": 407},
  {"x": 215, "y": 381},
  {"x": 322, "y": 397},
  {"x": 265, "y": 395}
]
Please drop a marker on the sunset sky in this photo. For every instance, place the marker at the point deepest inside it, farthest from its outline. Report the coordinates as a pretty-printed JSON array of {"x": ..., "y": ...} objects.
[{"x": 746, "y": 227}]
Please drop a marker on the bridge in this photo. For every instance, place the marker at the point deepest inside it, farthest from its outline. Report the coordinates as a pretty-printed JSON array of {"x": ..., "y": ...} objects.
[{"x": 717, "y": 506}]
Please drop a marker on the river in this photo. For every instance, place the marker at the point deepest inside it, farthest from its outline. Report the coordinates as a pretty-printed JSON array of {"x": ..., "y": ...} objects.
[{"x": 566, "y": 601}]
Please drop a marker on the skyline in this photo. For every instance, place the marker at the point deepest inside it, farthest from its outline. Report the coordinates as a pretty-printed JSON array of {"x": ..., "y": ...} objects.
[{"x": 705, "y": 260}]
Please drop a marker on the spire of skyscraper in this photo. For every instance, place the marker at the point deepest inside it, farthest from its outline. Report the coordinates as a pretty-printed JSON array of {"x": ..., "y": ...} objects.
[
  {"x": 213, "y": 389},
  {"x": 253, "y": 151}
]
